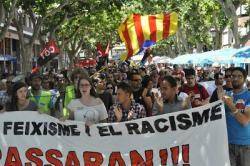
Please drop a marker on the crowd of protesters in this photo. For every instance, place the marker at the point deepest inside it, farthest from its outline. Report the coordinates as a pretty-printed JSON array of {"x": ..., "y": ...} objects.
[{"x": 120, "y": 93}]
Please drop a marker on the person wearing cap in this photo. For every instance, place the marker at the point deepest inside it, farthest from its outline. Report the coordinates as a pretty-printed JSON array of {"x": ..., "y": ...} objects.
[
  {"x": 42, "y": 98},
  {"x": 19, "y": 100},
  {"x": 70, "y": 92},
  {"x": 237, "y": 110}
]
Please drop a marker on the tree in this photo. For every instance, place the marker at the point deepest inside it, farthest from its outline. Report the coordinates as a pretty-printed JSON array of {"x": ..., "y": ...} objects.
[
  {"x": 7, "y": 11},
  {"x": 229, "y": 7},
  {"x": 38, "y": 11},
  {"x": 87, "y": 24}
]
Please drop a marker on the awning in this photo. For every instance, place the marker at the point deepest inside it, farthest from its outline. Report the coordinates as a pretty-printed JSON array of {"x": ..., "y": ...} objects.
[{"x": 7, "y": 58}]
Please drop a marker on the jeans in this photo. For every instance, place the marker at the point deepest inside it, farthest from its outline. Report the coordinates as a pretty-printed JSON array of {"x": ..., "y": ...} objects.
[{"x": 239, "y": 155}]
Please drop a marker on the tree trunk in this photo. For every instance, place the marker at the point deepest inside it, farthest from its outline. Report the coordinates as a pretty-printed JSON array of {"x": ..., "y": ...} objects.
[
  {"x": 71, "y": 55},
  {"x": 26, "y": 58},
  {"x": 218, "y": 39},
  {"x": 61, "y": 65},
  {"x": 6, "y": 16},
  {"x": 199, "y": 47},
  {"x": 171, "y": 53},
  {"x": 235, "y": 33},
  {"x": 183, "y": 40},
  {"x": 230, "y": 11}
]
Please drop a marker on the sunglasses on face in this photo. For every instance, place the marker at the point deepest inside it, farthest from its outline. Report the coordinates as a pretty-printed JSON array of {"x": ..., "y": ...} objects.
[{"x": 109, "y": 87}]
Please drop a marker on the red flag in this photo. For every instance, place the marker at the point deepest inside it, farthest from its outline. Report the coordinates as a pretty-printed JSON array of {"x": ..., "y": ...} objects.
[
  {"x": 35, "y": 70},
  {"x": 101, "y": 51},
  {"x": 48, "y": 53}
]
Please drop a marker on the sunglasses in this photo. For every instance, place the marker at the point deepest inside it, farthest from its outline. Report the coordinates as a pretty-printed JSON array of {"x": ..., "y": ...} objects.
[{"x": 109, "y": 87}]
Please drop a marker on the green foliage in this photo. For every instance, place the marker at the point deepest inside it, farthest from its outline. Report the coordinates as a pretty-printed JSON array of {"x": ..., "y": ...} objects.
[{"x": 97, "y": 20}]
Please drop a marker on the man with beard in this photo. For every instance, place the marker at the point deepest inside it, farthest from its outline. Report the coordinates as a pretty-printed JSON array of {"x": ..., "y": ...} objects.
[
  {"x": 42, "y": 98},
  {"x": 238, "y": 116},
  {"x": 135, "y": 82}
]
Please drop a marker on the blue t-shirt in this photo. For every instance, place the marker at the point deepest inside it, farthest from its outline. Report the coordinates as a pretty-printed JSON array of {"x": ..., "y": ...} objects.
[{"x": 237, "y": 133}]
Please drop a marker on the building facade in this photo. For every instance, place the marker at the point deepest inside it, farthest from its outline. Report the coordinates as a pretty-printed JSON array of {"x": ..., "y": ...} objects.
[{"x": 10, "y": 59}]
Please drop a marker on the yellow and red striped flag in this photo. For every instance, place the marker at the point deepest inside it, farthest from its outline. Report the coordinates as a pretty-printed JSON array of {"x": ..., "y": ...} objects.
[{"x": 138, "y": 32}]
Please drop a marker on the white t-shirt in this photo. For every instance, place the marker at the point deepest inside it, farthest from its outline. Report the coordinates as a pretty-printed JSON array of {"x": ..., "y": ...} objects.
[{"x": 88, "y": 114}]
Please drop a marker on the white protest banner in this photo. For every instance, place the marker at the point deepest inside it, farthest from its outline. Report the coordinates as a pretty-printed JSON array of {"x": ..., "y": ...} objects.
[{"x": 195, "y": 137}]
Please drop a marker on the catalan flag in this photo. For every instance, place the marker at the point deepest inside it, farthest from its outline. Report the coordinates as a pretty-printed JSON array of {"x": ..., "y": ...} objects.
[{"x": 140, "y": 32}]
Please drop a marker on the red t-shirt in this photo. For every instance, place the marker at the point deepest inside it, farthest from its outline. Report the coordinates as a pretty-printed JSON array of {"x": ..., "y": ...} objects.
[{"x": 200, "y": 93}]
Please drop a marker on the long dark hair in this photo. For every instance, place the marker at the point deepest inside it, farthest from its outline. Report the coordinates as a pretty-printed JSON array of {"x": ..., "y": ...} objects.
[
  {"x": 14, "y": 99},
  {"x": 110, "y": 83},
  {"x": 92, "y": 90}
]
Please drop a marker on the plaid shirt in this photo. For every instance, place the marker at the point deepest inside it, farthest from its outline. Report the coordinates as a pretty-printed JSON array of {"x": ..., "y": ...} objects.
[
  {"x": 4, "y": 98},
  {"x": 137, "y": 110}
]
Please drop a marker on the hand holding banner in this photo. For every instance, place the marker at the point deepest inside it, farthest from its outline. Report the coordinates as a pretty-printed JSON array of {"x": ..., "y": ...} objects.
[{"x": 194, "y": 137}]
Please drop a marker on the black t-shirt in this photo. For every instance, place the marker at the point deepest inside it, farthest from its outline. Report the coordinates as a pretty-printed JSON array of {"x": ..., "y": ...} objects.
[
  {"x": 31, "y": 107},
  {"x": 106, "y": 99},
  {"x": 137, "y": 96},
  {"x": 214, "y": 96}
]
